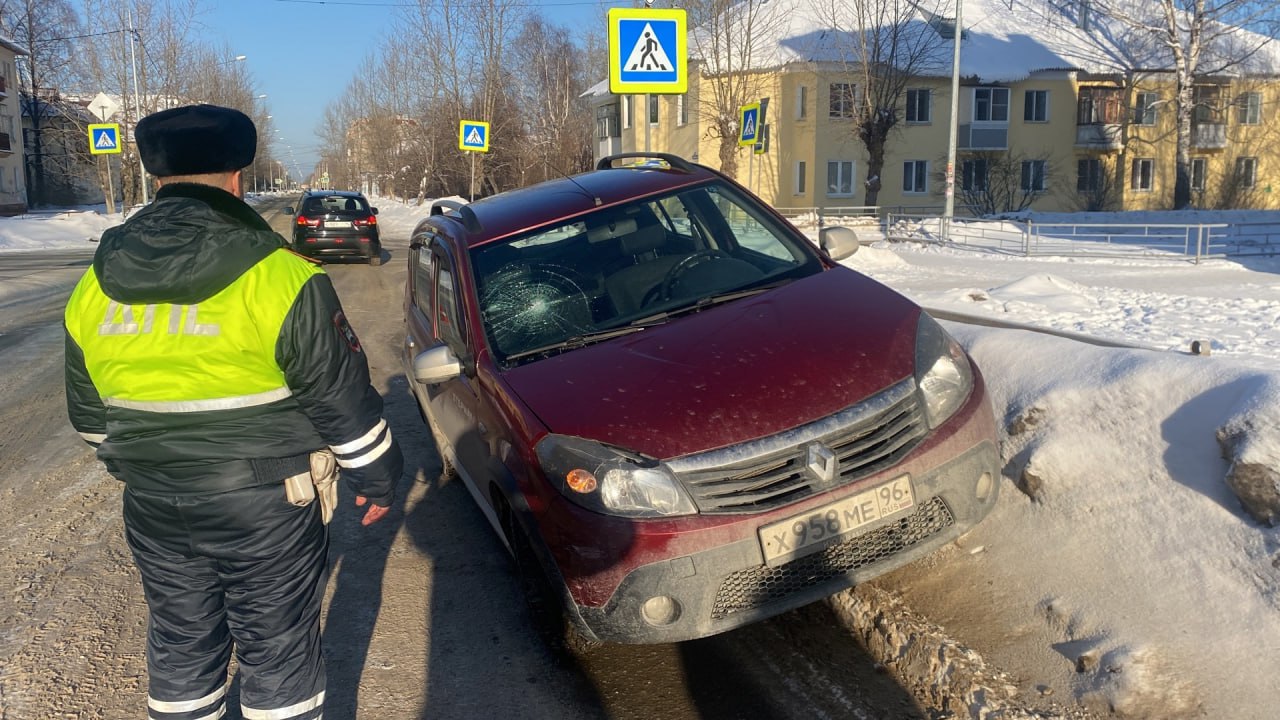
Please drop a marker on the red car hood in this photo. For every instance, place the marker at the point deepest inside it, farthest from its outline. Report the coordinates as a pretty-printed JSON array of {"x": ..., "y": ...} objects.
[{"x": 740, "y": 371}]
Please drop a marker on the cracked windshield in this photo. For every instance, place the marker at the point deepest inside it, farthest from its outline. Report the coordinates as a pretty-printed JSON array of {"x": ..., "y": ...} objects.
[{"x": 627, "y": 267}]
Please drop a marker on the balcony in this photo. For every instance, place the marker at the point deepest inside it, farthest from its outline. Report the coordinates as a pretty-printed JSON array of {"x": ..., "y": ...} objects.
[
  {"x": 1208, "y": 136},
  {"x": 6, "y": 146},
  {"x": 984, "y": 136},
  {"x": 1100, "y": 136}
]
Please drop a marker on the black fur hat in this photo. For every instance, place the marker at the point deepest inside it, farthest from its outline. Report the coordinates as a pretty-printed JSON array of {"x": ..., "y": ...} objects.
[{"x": 195, "y": 140}]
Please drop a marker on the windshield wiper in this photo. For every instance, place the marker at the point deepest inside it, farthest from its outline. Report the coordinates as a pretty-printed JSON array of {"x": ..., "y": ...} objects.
[
  {"x": 703, "y": 303},
  {"x": 577, "y": 341}
]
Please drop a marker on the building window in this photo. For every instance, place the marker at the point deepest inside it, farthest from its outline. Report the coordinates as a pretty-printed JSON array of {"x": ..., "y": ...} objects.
[
  {"x": 1247, "y": 172},
  {"x": 1035, "y": 106},
  {"x": 802, "y": 102},
  {"x": 1100, "y": 105},
  {"x": 839, "y": 178},
  {"x": 1144, "y": 110},
  {"x": 1199, "y": 168},
  {"x": 1249, "y": 108},
  {"x": 1088, "y": 175},
  {"x": 800, "y": 177},
  {"x": 919, "y": 105},
  {"x": 842, "y": 97},
  {"x": 1142, "y": 177},
  {"x": 626, "y": 111},
  {"x": 1208, "y": 109},
  {"x": 1033, "y": 176},
  {"x": 915, "y": 176},
  {"x": 607, "y": 121},
  {"x": 653, "y": 109},
  {"x": 973, "y": 175},
  {"x": 991, "y": 104},
  {"x": 682, "y": 110}
]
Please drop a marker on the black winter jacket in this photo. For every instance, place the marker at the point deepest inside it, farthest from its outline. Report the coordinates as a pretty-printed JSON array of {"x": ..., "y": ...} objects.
[{"x": 185, "y": 247}]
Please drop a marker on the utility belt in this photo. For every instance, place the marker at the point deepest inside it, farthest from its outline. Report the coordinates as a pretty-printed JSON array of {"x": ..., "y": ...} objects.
[
  {"x": 306, "y": 476},
  {"x": 319, "y": 482}
]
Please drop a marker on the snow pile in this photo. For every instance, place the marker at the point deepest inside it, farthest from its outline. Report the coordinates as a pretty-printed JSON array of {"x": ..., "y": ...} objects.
[
  {"x": 1119, "y": 569},
  {"x": 73, "y": 229}
]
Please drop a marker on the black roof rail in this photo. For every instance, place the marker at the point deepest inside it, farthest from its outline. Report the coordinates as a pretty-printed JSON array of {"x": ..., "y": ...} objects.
[
  {"x": 466, "y": 214},
  {"x": 674, "y": 161}
]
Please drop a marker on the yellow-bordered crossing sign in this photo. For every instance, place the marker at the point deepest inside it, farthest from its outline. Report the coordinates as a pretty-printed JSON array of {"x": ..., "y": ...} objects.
[
  {"x": 749, "y": 124},
  {"x": 104, "y": 138},
  {"x": 473, "y": 135},
  {"x": 648, "y": 51}
]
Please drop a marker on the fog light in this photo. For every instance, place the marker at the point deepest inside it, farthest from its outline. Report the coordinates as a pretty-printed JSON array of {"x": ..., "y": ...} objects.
[
  {"x": 660, "y": 610},
  {"x": 985, "y": 484}
]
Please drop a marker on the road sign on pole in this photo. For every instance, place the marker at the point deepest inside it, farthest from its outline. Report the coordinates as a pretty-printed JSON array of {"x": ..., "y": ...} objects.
[
  {"x": 473, "y": 136},
  {"x": 648, "y": 51},
  {"x": 104, "y": 138},
  {"x": 749, "y": 124}
]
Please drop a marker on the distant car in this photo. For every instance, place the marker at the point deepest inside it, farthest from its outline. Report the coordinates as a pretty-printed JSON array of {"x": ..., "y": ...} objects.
[
  {"x": 336, "y": 225},
  {"x": 679, "y": 414}
]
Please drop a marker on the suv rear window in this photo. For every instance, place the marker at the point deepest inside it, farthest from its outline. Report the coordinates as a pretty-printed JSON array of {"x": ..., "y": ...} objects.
[{"x": 335, "y": 204}]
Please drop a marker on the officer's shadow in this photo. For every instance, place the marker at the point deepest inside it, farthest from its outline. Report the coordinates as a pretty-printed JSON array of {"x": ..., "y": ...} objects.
[{"x": 455, "y": 639}]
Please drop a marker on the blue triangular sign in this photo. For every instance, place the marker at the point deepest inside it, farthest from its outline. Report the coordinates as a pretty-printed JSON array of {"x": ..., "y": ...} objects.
[{"x": 106, "y": 140}]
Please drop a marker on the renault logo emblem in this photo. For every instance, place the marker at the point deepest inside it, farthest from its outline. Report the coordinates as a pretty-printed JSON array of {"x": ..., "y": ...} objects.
[{"x": 820, "y": 462}]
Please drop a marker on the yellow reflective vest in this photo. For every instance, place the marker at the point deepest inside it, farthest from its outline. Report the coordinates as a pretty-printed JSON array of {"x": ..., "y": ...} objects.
[{"x": 217, "y": 354}]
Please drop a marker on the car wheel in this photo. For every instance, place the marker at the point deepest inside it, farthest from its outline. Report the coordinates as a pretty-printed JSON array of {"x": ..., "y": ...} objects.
[
  {"x": 546, "y": 609},
  {"x": 376, "y": 258}
]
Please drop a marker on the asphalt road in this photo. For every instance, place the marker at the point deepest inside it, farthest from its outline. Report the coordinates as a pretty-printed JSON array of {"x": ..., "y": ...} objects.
[{"x": 424, "y": 617}]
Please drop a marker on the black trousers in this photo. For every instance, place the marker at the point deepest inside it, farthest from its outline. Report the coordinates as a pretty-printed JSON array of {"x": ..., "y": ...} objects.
[{"x": 242, "y": 566}]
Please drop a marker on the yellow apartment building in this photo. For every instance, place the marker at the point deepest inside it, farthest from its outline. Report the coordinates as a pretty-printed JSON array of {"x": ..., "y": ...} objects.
[{"x": 1043, "y": 124}]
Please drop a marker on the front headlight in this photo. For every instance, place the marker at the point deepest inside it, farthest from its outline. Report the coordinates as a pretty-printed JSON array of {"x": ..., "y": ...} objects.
[
  {"x": 610, "y": 480},
  {"x": 942, "y": 371}
]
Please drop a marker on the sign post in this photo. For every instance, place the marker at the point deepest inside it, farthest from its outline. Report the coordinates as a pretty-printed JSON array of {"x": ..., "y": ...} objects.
[
  {"x": 104, "y": 139},
  {"x": 473, "y": 137},
  {"x": 749, "y": 135},
  {"x": 648, "y": 54}
]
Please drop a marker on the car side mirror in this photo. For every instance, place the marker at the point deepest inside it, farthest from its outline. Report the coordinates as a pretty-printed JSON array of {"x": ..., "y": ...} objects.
[
  {"x": 435, "y": 365},
  {"x": 288, "y": 210},
  {"x": 839, "y": 242},
  {"x": 373, "y": 210}
]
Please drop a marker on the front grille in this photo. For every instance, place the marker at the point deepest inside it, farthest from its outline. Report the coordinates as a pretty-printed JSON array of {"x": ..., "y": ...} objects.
[
  {"x": 865, "y": 439},
  {"x": 761, "y": 585}
]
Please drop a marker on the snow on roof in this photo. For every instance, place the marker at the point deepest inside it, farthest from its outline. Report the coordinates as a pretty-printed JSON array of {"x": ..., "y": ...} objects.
[
  {"x": 1004, "y": 40},
  {"x": 7, "y": 42}
]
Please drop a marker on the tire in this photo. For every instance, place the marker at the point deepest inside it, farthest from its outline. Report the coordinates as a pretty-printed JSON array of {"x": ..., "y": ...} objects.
[
  {"x": 546, "y": 609},
  {"x": 376, "y": 258}
]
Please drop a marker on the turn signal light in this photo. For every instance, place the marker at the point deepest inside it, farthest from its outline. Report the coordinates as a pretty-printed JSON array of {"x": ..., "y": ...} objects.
[{"x": 581, "y": 481}]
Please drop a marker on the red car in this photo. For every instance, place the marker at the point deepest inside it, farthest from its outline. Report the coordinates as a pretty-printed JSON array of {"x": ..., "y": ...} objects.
[{"x": 679, "y": 414}]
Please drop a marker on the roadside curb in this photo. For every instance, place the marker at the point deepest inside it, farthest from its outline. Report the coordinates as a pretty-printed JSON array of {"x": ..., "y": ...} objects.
[{"x": 943, "y": 675}]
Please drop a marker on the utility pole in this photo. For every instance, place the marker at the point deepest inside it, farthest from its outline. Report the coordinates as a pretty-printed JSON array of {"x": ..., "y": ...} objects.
[
  {"x": 949, "y": 208},
  {"x": 137, "y": 108}
]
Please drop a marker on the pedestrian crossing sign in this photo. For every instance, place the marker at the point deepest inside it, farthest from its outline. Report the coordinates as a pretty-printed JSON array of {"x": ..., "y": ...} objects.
[
  {"x": 104, "y": 138},
  {"x": 473, "y": 135},
  {"x": 749, "y": 124},
  {"x": 648, "y": 51}
]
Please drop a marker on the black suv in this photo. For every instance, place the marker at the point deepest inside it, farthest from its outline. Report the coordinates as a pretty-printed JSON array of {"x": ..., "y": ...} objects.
[{"x": 336, "y": 224}]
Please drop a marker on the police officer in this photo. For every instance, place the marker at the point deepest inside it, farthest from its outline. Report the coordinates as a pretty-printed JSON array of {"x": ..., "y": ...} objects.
[{"x": 206, "y": 363}]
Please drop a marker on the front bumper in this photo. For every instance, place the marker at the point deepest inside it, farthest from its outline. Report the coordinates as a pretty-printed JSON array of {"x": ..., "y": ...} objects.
[{"x": 730, "y": 585}]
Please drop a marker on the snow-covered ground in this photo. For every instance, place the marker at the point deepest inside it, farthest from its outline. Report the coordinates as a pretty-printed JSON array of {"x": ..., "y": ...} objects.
[{"x": 1119, "y": 569}]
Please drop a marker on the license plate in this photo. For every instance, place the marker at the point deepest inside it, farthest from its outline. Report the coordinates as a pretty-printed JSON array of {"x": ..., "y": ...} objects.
[
  {"x": 820, "y": 527},
  {"x": 335, "y": 224}
]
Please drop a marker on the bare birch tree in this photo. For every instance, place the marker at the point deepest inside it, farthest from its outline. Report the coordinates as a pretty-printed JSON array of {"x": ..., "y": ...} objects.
[
  {"x": 1199, "y": 39},
  {"x": 886, "y": 45},
  {"x": 47, "y": 29},
  {"x": 731, "y": 43}
]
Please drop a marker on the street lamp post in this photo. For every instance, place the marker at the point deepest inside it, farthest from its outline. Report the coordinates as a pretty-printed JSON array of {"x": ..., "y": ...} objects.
[{"x": 949, "y": 207}]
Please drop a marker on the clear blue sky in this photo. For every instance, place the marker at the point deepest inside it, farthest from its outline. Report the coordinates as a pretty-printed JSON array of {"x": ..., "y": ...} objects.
[{"x": 303, "y": 53}]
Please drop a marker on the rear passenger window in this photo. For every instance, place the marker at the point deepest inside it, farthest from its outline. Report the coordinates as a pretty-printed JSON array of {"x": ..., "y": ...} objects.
[{"x": 422, "y": 279}]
